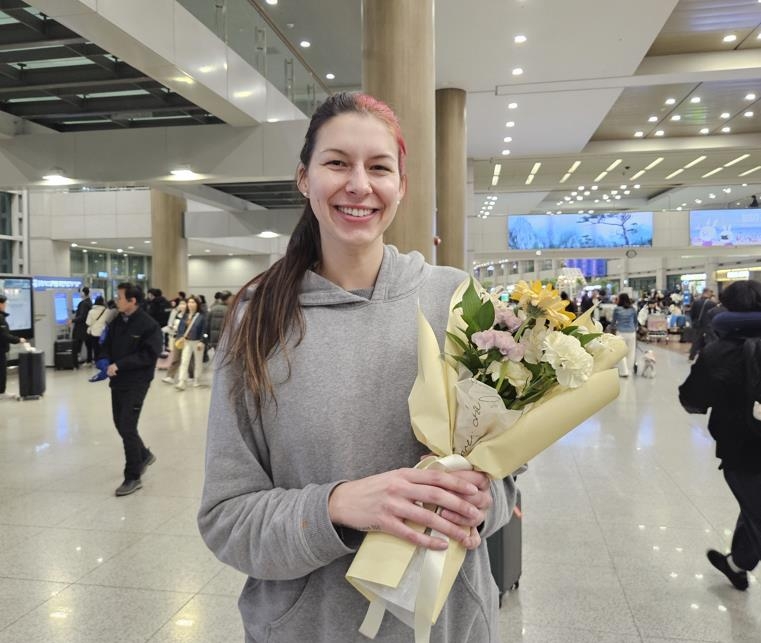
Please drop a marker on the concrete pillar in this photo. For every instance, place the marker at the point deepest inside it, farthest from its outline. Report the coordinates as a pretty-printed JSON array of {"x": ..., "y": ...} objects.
[
  {"x": 398, "y": 67},
  {"x": 711, "y": 265},
  {"x": 451, "y": 176},
  {"x": 660, "y": 274},
  {"x": 168, "y": 243}
]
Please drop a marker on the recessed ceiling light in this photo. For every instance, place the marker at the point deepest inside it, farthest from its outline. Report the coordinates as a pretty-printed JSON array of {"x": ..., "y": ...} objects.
[
  {"x": 726, "y": 190},
  {"x": 95, "y": 242},
  {"x": 130, "y": 247},
  {"x": 305, "y": 44},
  {"x": 750, "y": 96},
  {"x": 267, "y": 234},
  {"x": 758, "y": 37},
  {"x": 704, "y": 130},
  {"x": 207, "y": 250},
  {"x": 119, "y": 250},
  {"x": 726, "y": 130},
  {"x": 330, "y": 76},
  {"x": 272, "y": 2},
  {"x": 84, "y": 250},
  {"x": 520, "y": 39},
  {"x": 725, "y": 115},
  {"x": 184, "y": 174},
  {"x": 146, "y": 241},
  {"x": 652, "y": 119},
  {"x": 618, "y": 196},
  {"x": 711, "y": 196},
  {"x": 729, "y": 38},
  {"x": 676, "y": 117},
  {"x": 748, "y": 114},
  {"x": 659, "y": 132},
  {"x": 510, "y": 124},
  {"x": 670, "y": 101},
  {"x": 695, "y": 99},
  {"x": 505, "y": 152},
  {"x": 512, "y": 105},
  {"x": 572, "y": 194},
  {"x": 74, "y": 245},
  {"x": 639, "y": 134},
  {"x": 517, "y": 71},
  {"x": 636, "y": 186},
  {"x": 508, "y": 139},
  {"x": 614, "y": 191},
  {"x": 698, "y": 201}
]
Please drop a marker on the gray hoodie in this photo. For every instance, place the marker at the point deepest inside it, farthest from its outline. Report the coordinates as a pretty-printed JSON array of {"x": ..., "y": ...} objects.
[{"x": 341, "y": 415}]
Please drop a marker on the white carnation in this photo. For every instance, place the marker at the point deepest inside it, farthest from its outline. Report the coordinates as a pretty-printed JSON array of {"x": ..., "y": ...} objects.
[
  {"x": 572, "y": 364},
  {"x": 533, "y": 343},
  {"x": 514, "y": 372}
]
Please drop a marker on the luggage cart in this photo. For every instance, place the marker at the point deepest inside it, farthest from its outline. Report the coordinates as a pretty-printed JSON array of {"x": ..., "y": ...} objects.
[{"x": 657, "y": 328}]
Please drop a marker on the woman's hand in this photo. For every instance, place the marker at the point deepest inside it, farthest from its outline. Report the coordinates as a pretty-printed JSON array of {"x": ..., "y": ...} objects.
[{"x": 383, "y": 502}]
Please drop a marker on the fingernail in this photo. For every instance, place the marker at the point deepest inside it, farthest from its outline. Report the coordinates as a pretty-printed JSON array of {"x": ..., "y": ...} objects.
[
  {"x": 472, "y": 488},
  {"x": 441, "y": 544}
]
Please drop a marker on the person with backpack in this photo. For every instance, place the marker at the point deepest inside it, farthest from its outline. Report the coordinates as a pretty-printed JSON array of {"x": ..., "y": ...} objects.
[{"x": 726, "y": 377}]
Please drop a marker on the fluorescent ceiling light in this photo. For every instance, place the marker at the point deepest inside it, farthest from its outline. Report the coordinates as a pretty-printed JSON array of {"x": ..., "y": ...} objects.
[
  {"x": 267, "y": 234},
  {"x": 712, "y": 172},
  {"x": 566, "y": 177},
  {"x": 654, "y": 163},
  {"x": 737, "y": 160},
  {"x": 529, "y": 179},
  {"x": 675, "y": 173},
  {"x": 613, "y": 165},
  {"x": 750, "y": 96},
  {"x": 748, "y": 114},
  {"x": 57, "y": 177},
  {"x": 637, "y": 175},
  {"x": 758, "y": 167},
  {"x": 184, "y": 174},
  {"x": 536, "y": 167},
  {"x": 573, "y": 167},
  {"x": 700, "y": 159},
  {"x": 729, "y": 38},
  {"x": 494, "y": 180},
  {"x": 600, "y": 176},
  {"x": 497, "y": 169}
]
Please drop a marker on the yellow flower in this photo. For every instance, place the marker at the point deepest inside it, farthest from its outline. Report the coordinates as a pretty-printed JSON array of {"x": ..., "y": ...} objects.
[{"x": 543, "y": 302}]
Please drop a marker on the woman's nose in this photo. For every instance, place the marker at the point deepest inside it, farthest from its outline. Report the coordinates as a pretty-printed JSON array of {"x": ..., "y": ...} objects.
[{"x": 359, "y": 181}]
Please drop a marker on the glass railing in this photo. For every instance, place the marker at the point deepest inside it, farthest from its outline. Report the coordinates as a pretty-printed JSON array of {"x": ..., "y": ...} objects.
[{"x": 247, "y": 33}]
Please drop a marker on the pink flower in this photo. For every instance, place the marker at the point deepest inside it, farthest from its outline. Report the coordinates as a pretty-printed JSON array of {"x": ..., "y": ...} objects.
[
  {"x": 501, "y": 340},
  {"x": 506, "y": 317}
]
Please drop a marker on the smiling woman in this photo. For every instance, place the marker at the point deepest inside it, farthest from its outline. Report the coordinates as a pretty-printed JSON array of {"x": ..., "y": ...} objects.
[{"x": 309, "y": 441}]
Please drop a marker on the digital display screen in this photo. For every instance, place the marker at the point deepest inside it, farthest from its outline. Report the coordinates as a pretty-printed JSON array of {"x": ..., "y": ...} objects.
[
  {"x": 60, "y": 303},
  {"x": 76, "y": 298},
  {"x": 18, "y": 290},
  {"x": 725, "y": 227},
  {"x": 610, "y": 230}
]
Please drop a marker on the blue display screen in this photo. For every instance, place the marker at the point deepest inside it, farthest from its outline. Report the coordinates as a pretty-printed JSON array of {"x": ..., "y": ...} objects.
[
  {"x": 610, "y": 230},
  {"x": 61, "y": 306},
  {"x": 76, "y": 298},
  {"x": 590, "y": 268},
  {"x": 725, "y": 227}
]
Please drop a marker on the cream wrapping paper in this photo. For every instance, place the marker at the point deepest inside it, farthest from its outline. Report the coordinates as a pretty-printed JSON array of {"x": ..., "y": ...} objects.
[{"x": 392, "y": 573}]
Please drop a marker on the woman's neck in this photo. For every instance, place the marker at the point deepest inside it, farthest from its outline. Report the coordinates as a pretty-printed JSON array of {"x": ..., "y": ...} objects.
[{"x": 352, "y": 271}]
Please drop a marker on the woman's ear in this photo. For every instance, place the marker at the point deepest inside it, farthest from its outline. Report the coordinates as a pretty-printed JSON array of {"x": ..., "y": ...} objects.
[
  {"x": 402, "y": 187},
  {"x": 301, "y": 179}
]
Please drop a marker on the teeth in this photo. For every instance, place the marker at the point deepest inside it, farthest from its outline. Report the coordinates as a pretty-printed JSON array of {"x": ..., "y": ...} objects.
[{"x": 355, "y": 212}]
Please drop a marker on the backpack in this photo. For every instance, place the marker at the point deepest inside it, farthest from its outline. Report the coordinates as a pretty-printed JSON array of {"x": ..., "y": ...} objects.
[{"x": 752, "y": 362}]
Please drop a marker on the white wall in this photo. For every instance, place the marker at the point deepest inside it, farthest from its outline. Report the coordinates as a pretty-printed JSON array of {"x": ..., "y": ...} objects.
[{"x": 207, "y": 275}]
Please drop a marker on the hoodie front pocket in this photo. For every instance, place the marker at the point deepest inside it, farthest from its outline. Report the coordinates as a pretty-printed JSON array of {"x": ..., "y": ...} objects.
[{"x": 294, "y": 625}]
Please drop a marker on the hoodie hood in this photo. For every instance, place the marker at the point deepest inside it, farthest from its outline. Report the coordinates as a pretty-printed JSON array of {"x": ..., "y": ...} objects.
[{"x": 399, "y": 275}]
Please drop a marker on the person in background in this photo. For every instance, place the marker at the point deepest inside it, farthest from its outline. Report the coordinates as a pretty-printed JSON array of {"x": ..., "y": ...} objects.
[
  {"x": 625, "y": 320},
  {"x": 158, "y": 306},
  {"x": 96, "y": 323},
  {"x": 170, "y": 330},
  {"x": 215, "y": 319},
  {"x": 304, "y": 370},
  {"x": 79, "y": 328},
  {"x": 726, "y": 378},
  {"x": 6, "y": 339},
  {"x": 132, "y": 347},
  {"x": 698, "y": 319},
  {"x": 192, "y": 329}
]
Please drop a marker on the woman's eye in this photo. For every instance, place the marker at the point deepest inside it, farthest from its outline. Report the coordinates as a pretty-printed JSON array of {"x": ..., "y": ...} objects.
[
  {"x": 336, "y": 163},
  {"x": 380, "y": 168}
]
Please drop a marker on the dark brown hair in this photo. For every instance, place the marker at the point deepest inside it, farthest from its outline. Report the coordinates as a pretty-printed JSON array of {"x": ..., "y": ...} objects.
[{"x": 270, "y": 301}]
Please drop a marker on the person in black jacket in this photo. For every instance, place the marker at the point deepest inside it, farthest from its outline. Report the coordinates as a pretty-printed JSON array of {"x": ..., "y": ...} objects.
[
  {"x": 727, "y": 379},
  {"x": 79, "y": 328},
  {"x": 6, "y": 339},
  {"x": 132, "y": 347}
]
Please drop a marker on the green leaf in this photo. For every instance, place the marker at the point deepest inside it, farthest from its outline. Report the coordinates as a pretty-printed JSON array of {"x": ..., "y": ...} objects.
[
  {"x": 569, "y": 330},
  {"x": 585, "y": 339},
  {"x": 471, "y": 303},
  {"x": 485, "y": 316},
  {"x": 457, "y": 340}
]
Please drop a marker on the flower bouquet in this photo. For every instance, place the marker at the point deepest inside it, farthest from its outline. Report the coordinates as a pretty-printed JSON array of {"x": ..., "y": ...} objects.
[{"x": 514, "y": 378}]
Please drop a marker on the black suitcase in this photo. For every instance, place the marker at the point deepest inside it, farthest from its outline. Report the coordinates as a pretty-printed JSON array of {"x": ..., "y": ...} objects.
[
  {"x": 63, "y": 357},
  {"x": 506, "y": 552},
  {"x": 31, "y": 375}
]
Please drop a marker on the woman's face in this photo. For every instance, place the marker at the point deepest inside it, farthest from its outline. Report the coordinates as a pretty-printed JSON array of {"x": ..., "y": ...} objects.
[
  {"x": 353, "y": 182},
  {"x": 182, "y": 306},
  {"x": 192, "y": 306}
]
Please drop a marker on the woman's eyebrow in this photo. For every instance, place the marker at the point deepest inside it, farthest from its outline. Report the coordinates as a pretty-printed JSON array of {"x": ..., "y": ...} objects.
[{"x": 335, "y": 150}]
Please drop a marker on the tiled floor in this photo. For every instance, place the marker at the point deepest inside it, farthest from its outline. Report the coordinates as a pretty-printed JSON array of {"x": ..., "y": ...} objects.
[{"x": 617, "y": 517}]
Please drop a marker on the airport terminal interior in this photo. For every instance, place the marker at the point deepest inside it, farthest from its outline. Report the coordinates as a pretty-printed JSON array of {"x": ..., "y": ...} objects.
[{"x": 596, "y": 144}]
